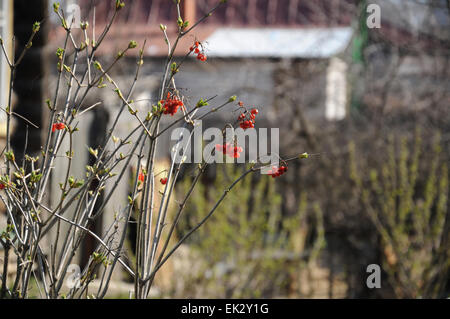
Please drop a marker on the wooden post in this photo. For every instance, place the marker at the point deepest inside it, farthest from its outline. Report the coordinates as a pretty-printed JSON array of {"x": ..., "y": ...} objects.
[{"x": 189, "y": 11}]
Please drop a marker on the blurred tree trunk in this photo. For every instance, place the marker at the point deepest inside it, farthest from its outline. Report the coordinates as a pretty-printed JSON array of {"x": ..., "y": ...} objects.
[{"x": 30, "y": 76}]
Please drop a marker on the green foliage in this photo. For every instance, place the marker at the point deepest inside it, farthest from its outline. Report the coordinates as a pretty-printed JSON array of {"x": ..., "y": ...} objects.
[
  {"x": 202, "y": 103},
  {"x": 409, "y": 213},
  {"x": 248, "y": 249}
]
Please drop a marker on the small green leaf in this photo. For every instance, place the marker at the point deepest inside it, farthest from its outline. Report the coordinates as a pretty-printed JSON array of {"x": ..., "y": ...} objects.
[
  {"x": 202, "y": 103},
  {"x": 97, "y": 65},
  {"x": 304, "y": 155},
  {"x": 36, "y": 27},
  {"x": 93, "y": 152},
  {"x": 132, "y": 44},
  {"x": 10, "y": 156}
]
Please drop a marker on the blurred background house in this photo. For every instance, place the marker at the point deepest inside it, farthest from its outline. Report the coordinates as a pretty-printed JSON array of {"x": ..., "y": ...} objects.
[
  {"x": 250, "y": 45},
  {"x": 247, "y": 42},
  {"x": 356, "y": 96}
]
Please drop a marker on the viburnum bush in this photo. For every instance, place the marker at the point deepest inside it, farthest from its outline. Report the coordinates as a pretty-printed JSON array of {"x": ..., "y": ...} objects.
[{"x": 24, "y": 184}]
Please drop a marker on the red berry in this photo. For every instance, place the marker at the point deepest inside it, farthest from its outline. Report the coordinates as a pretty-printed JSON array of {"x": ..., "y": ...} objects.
[
  {"x": 58, "y": 126},
  {"x": 171, "y": 104},
  {"x": 278, "y": 171}
]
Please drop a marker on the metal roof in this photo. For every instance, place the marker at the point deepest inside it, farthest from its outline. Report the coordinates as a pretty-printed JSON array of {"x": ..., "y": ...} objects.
[
  {"x": 278, "y": 42},
  {"x": 242, "y": 13}
]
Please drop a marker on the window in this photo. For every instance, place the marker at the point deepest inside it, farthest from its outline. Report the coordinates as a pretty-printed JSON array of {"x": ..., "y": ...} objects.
[{"x": 336, "y": 90}]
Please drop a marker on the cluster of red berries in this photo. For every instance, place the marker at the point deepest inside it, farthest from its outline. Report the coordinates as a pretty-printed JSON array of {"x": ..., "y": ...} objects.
[
  {"x": 230, "y": 150},
  {"x": 171, "y": 104},
  {"x": 196, "y": 49},
  {"x": 247, "y": 119},
  {"x": 278, "y": 171},
  {"x": 58, "y": 126}
]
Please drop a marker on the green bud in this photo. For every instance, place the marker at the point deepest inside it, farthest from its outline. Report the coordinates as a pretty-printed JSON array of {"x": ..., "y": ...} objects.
[
  {"x": 232, "y": 99},
  {"x": 201, "y": 103},
  {"x": 180, "y": 22},
  {"x": 101, "y": 85},
  {"x": 36, "y": 27},
  {"x": 174, "y": 68},
  {"x": 78, "y": 184},
  {"x": 132, "y": 44},
  {"x": 10, "y": 156},
  {"x": 97, "y": 65},
  {"x": 35, "y": 177},
  {"x": 304, "y": 155},
  {"x": 93, "y": 152},
  {"x": 67, "y": 68},
  {"x": 59, "y": 53},
  {"x": 119, "y": 4},
  {"x": 130, "y": 109},
  {"x": 64, "y": 24},
  {"x": 49, "y": 105},
  {"x": 119, "y": 93},
  {"x": 56, "y": 6}
]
